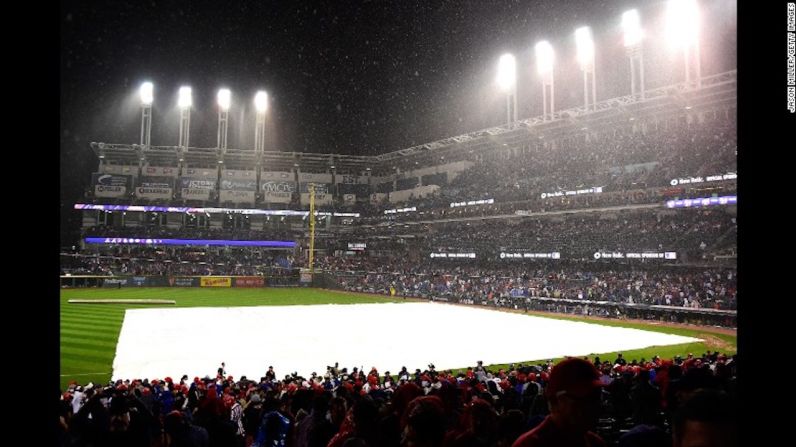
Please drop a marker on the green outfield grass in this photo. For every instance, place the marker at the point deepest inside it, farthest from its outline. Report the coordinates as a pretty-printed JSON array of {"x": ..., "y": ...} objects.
[{"x": 89, "y": 332}]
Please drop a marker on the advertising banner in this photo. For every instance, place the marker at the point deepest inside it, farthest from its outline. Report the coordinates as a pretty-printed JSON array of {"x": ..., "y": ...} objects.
[
  {"x": 138, "y": 281},
  {"x": 109, "y": 191},
  {"x": 111, "y": 179},
  {"x": 114, "y": 282},
  {"x": 195, "y": 194},
  {"x": 197, "y": 183},
  {"x": 249, "y": 281},
  {"x": 110, "y": 185},
  {"x": 159, "y": 171},
  {"x": 351, "y": 179},
  {"x": 200, "y": 172},
  {"x": 349, "y": 199},
  {"x": 277, "y": 191},
  {"x": 185, "y": 281},
  {"x": 238, "y": 174},
  {"x": 215, "y": 281},
  {"x": 236, "y": 196},
  {"x": 312, "y": 177},
  {"x": 323, "y": 194},
  {"x": 276, "y": 175},
  {"x": 144, "y": 192},
  {"x": 117, "y": 169},
  {"x": 239, "y": 185}
]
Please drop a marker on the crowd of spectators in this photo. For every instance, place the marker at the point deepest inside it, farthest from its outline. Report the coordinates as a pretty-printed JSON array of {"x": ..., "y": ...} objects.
[
  {"x": 632, "y": 164},
  {"x": 617, "y": 159},
  {"x": 200, "y": 261},
  {"x": 646, "y": 402},
  {"x": 694, "y": 234},
  {"x": 514, "y": 286}
]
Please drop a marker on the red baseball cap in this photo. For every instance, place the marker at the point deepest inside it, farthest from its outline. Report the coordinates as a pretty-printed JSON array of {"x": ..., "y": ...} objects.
[{"x": 575, "y": 376}]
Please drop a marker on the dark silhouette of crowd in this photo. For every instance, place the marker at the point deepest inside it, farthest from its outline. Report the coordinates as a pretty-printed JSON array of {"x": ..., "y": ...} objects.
[{"x": 614, "y": 402}]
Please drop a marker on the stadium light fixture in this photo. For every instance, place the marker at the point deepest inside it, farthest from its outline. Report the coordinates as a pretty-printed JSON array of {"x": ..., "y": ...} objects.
[
  {"x": 146, "y": 92},
  {"x": 261, "y": 101},
  {"x": 224, "y": 98},
  {"x": 682, "y": 33},
  {"x": 544, "y": 66},
  {"x": 507, "y": 73},
  {"x": 682, "y": 23},
  {"x": 585, "y": 46},
  {"x": 507, "y": 81},
  {"x": 261, "y": 104},
  {"x": 631, "y": 25},
  {"x": 184, "y": 101},
  {"x": 544, "y": 58},
  {"x": 147, "y": 96}
]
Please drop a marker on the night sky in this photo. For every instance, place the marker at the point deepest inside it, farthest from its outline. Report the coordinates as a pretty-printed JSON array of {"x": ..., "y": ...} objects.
[{"x": 342, "y": 77}]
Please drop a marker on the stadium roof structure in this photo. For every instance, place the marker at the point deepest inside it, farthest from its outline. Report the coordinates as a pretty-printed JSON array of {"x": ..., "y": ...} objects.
[{"x": 716, "y": 91}]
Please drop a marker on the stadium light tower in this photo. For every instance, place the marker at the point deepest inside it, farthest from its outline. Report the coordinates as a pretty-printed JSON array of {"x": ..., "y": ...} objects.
[
  {"x": 585, "y": 46},
  {"x": 261, "y": 104},
  {"x": 146, "y": 112},
  {"x": 507, "y": 81},
  {"x": 631, "y": 25},
  {"x": 185, "y": 102},
  {"x": 544, "y": 66},
  {"x": 682, "y": 32},
  {"x": 224, "y": 98}
]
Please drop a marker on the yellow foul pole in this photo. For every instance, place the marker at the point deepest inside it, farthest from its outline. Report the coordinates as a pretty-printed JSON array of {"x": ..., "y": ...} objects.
[{"x": 312, "y": 227}]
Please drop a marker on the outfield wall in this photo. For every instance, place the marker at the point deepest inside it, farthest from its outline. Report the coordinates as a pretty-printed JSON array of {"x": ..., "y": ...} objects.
[{"x": 178, "y": 281}]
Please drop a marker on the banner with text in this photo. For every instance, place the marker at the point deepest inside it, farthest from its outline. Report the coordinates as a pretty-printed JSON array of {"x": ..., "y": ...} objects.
[
  {"x": 313, "y": 177},
  {"x": 239, "y": 185},
  {"x": 230, "y": 174},
  {"x": 236, "y": 196},
  {"x": 185, "y": 281},
  {"x": 147, "y": 192},
  {"x": 670, "y": 255},
  {"x": 323, "y": 194},
  {"x": 249, "y": 281},
  {"x": 119, "y": 169},
  {"x": 275, "y": 191},
  {"x": 159, "y": 171},
  {"x": 348, "y": 179},
  {"x": 276, "y": 175},
  {"x": 215, "y": 281},
  {"x": 111, "y": 185},
  {"x": 197, "y": 188},
  {"x": 200, "y": 173}
]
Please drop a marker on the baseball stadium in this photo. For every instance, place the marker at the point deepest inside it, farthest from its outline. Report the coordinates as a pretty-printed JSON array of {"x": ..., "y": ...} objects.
[{"x": 567, "y": 273}]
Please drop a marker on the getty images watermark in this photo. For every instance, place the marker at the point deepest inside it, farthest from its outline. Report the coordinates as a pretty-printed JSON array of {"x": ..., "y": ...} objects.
[{"x": 792, "y": 57}]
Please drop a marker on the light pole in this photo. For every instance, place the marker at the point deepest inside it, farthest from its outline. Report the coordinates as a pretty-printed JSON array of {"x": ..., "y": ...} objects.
[
  {"x": 224, "y": 99},
  {"x": 585, "y": 46},
  {"x": 544, "y": 66},
  {"x": 146, "y": 112},
  {"x": 631, "y": 24},
  {"x": 507, "y": 81},
  {"x": 185, "y": 103},
  {"x": 682, "y": 32}
]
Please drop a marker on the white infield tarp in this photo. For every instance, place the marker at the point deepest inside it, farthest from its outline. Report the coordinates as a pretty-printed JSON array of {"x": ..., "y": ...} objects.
[{"x": 156, "y": 343}]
